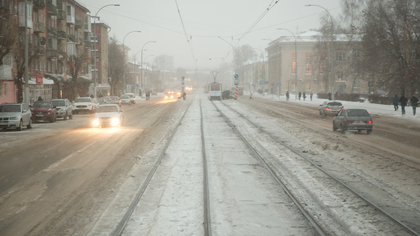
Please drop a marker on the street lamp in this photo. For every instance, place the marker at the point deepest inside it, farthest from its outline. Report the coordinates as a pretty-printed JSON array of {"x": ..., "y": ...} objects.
[
  {"x": 141, "y": 63},
  {"x": 296, "y": 69},
  {"x": 94, "y": 44},
  {"x": 332, "y": 48},
  {"x": 134, "y": 31}
]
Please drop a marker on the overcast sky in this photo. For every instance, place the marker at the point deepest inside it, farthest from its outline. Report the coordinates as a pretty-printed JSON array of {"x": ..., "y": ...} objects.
[{"x": 205, "y": 23}]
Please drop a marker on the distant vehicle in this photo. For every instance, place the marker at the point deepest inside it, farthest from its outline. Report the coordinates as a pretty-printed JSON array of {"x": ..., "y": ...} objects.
[
  {"x": 84, "y": 104},
  {"x": 330, "y": 108},
  {"x": 108, "y": 115},
  {"x": 64, "y": 108},
  {"x": 215, "y": 91},
  {"x": 43, "y": 111},
  {"x": 116, "y": 100},
  {"x": 15, "y": 116},
  {"x": 178, "y": 94},
  {"x": 353, "y": 119},
  {"x": 132, "y": 97},
  {"x": 125, "y": 99}
]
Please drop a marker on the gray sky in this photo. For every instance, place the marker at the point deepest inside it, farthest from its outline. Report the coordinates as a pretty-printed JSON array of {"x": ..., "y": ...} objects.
[{"x": 205, "y": 21}]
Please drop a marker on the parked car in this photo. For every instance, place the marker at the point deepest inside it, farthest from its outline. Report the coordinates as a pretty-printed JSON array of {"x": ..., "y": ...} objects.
[
  {"x": 84, "y": 104},
  {"x": 43, "y": 111},
  {"x": 116, "y": 100},
  {"x": 132, "y": 97},
  {"x": 108, "y": 115},
  {"x": 353, "y": 119},
  {"x": 330, "y": 108},
  {"x": 125, "y": 99},
  {"x": 15, "y": 115},
  {"x": 64, "y": 108}
]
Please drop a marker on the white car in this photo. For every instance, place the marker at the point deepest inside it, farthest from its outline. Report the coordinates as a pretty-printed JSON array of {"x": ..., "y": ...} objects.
[
  {"x": 108, "y": 115},
  {"x": 132, "y": 97},
  {"x": 64, "y": 108},
  {"x": 15, "y": 115},
  {"x": 125, "y": 99},
  {"x": 84, "y": 104}
]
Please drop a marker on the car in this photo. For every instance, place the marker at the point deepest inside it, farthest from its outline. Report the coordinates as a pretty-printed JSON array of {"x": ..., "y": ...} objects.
[
  {"x": 108, "y": 115},
  {"x": 105, "y": 100},
  {"x": 353, "y": 119},
  {"x": 168, "y": 96},
  {"x": 43, "y": 111},
  {"x": 116, "y": 100},
  {"x": 330, "y": 108},
  {"x": 64, "y": 108},
  {"x": 84, "y": 104},
  {"x": 132, "y": 97},
  {"x": 15, "y": 116},
  {"x": 125, "y": 99},
  {"x": 178, "y": 94}
]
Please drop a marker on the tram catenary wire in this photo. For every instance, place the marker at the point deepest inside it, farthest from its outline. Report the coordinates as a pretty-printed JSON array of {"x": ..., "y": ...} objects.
[{"x": 398, "y": 222}]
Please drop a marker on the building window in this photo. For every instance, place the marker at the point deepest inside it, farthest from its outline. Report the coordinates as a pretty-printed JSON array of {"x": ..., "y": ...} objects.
[
  {"x": 356, "y": 84},
  {"x": 340, "y": 76},
  {"x": 321, "y": 68},
  {"x": 308, "y": 55},
  {"x": 293, "y": 71},
  {"x": 340, "y": 56},
  {"x": 308, "y": 86},
  {"x": 293, "y": 55},
  {"x": 356, "y": 52},
  {"x": 356, "y": 70},
  {"x": 308, "y": 68}
]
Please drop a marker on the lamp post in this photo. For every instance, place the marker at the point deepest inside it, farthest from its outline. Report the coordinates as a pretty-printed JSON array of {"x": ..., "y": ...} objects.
[
  {"x": 26, "y": 93},
  {"x": 296, "y": 70},
  {"x": 134, "y": 31},
  {"x": 142, "y": 69},
  {"x": 94, "y": 44},
  {"x": 141, "y": 63},
  {"x": 332, "y": 48}
]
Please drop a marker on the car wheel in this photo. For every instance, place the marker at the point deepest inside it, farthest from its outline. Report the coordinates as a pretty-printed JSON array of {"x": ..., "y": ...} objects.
[
  {"x": 334, "y": 128},
  {"x": 343, "y": 130},
  {"x": 29, "y": 126},
  {"x": 65, "y": 116},
  {"x": 369, "y": 131},
  {"x": 19, "y": 128}
]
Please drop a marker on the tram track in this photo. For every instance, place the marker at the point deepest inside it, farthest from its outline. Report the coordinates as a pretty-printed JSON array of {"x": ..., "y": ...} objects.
[{"x": 312, "y": 164}]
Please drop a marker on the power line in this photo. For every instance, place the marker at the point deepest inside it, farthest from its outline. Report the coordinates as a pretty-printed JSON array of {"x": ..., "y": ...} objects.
[{"x": 186, "y": 35}]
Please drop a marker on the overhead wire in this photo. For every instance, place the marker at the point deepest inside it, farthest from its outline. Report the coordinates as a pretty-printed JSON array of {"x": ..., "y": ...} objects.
[{"x": 186, "y": 35}]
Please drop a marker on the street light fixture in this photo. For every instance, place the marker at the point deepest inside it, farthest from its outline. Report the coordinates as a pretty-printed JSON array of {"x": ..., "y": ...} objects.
[
  {"x": 296, "y": 62},
  {"x": 332, "y": 48},
  {"x": 134, "y": 31},
  {"x": 94, "y": 44},
  {"x": 141, "y": 63}
]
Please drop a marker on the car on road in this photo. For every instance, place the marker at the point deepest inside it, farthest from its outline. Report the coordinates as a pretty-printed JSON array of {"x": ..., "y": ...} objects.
[
  {"x": 132, "y": 97},
  {"x": 108, "y": 115},
  {"x": 15, "y": 116},
  {"x": 64, "y": 108},
  {"x": 84, "y": 104},
  {"x": 125, "y": 99},
  {"x": 353, "y": 119},
  {"x": 43, "y": 111},
  {"x": 330, "y": 108}
]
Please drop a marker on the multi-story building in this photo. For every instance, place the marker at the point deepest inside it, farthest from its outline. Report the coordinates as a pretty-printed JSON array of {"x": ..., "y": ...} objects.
[
  {"x": 313, "y": 64},
  {"x": 99, "y": 43}
]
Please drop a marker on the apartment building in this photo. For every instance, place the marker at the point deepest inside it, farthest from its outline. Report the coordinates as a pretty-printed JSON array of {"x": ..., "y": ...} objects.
[{"x": 100, "y": 44}]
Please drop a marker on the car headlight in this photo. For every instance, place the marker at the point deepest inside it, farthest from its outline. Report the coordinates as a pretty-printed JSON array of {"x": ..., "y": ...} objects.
[
  {"x": 13, "y": 118},
  {"x": 96, "y": 122},
  {"x": 115, "y": 121}
]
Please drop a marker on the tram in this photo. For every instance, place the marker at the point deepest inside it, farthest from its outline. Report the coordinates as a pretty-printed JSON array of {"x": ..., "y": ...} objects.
[{"x": 215, "y": 91}]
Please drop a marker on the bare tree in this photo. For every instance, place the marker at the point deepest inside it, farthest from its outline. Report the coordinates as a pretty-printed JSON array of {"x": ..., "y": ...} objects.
[
  {"x": 115, "y": 71},
  {"x": 242, "y": 54},
  {"x": 75, "y": 66},
  {"x": 8, "y": 25}
]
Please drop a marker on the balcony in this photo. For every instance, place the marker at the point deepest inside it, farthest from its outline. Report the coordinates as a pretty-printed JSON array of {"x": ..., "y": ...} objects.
[
  {"x": 61, "y": 35},
  {"x": 72, "y": 38},
  {"x": 62, "y": 15},
  {"x": 39, "y": 4},
  {"x": 79, "y": 42},
  {"x": 51, "y": 9},
  {"x": 39, "y": 27},
  {"x": 88, "y": 44},
  {"x": 79, "y": 24},
  {"x": 62, "y": 56},
  {"x": 52, "y": 53},
  {"x": 41, "y": 51},
  {"x": 52, "y": 32}
]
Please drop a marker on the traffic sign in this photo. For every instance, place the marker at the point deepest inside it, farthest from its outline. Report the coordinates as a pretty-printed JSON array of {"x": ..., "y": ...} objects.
[
  {"x": 236, "y": 81},
  {"x": 236, "y": 76},
  {"x": 278, "y": 84}
]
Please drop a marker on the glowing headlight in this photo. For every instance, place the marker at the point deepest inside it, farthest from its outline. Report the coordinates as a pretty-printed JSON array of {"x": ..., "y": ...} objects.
[
  {"x": 96, "y": 122},
  {"x": 115, "y": 121},
  {"x": 13, "y": 118},
  {"x": 166, "y": 96},
  {"x": 172, "y": 96}
]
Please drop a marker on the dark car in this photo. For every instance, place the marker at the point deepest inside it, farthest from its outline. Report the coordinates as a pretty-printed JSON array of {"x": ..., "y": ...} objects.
[
  {"x": 43, "y": 111},
  {"x": 353, "y": 119}
]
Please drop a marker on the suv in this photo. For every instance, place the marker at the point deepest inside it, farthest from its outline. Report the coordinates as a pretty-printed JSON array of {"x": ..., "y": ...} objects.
[
  {"x": 84, "y": 104},
  {"x": 44, "y": 111},
  {"x": 15, "y": 115},
  {"x": 64, "y": 108}
]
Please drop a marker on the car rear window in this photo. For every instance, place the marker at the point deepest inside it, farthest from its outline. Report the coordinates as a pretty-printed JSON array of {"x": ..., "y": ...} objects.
[
  {"x": 83, "y": 100},
  {"x": 357, "y": 113},
  {"x": 58, "y": 103},
  {"x": 334, "y": 104}
]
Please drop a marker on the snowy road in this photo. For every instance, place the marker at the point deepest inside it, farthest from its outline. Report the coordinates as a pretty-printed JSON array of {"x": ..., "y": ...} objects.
[{"x": 87, "y": 189}]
